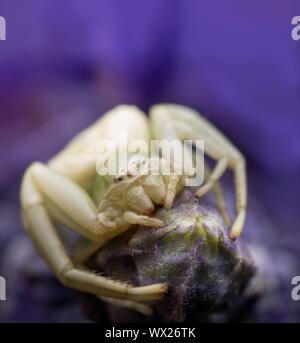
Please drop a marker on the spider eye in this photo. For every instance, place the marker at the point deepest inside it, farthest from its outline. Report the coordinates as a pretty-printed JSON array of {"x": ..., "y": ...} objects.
[{"x": 118, "y": 178}]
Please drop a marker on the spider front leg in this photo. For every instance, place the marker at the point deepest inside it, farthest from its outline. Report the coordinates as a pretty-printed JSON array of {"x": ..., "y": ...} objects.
[
  {"x": 182, "y": 123},
  {"x": 113, "y": 217},
  {"x": 134, "y": 218},
  {"x": 85, "y": 249},
  {"x": 78, "y": 207}
]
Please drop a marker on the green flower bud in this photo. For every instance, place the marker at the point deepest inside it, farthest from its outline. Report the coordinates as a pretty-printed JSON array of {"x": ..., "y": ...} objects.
[{"x": 206, "y": 271}]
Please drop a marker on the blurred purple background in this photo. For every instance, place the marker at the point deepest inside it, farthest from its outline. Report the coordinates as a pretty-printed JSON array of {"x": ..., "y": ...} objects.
[{"x": 66, "y": 62}]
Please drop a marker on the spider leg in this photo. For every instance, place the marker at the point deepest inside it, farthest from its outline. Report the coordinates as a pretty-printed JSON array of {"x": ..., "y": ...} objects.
[
  {"x": 218, "y": 171},
  {"x": 79, "y": 158},
  {"x": 218, "y": 193},
  {"x": 171, "y": 190},
  {"x": 183, "y": 123},
  {"x": 44, "y": 235},
  {"x": 239, "y": 169},
  {"x": 85, "y": 249},
  {"x": 236, "y": 162},
  {"x": 132, "y": 305},
  {"x": 66, "y": 200},
  {"x": 81, "y": 252},
  {"x": 133, "y": 218}
]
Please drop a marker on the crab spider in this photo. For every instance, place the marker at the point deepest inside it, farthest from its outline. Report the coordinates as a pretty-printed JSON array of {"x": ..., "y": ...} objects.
[{"x": 68, "y": 190}]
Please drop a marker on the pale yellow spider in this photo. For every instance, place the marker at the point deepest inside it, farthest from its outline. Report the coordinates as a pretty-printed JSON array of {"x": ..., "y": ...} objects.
[{"x": 61, "y": 191}]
